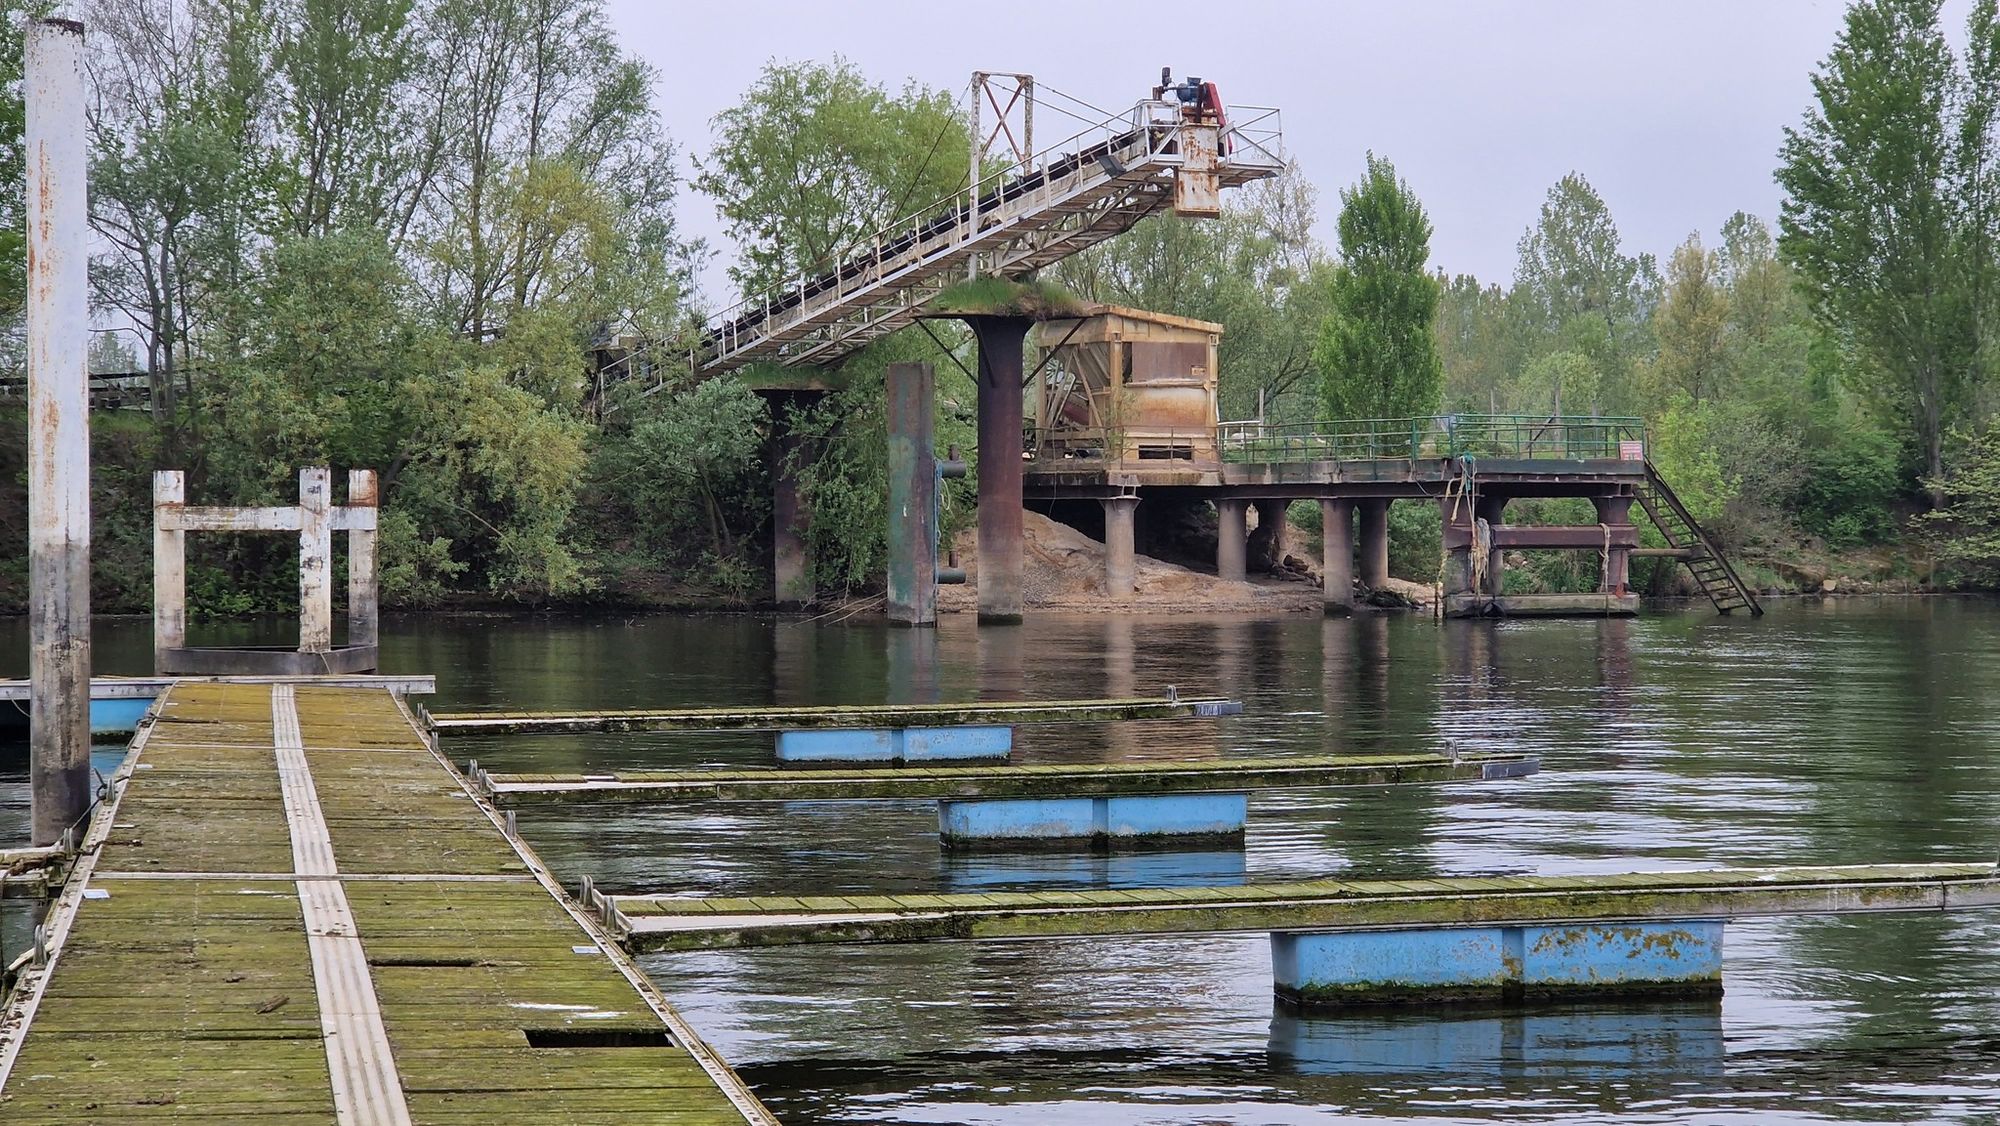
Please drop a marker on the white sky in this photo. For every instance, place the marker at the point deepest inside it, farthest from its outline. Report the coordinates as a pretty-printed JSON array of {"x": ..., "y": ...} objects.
[{"x": 1672, "y": 110}]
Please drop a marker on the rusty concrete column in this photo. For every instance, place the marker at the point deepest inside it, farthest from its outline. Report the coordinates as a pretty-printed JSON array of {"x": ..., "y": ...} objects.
[
  {"x": 913, "y": 481},
  {"x": 1121, "y": 574},
  {"x": 364, "y": 604},
  {"x": 1000, "y": 547},
  {"x": 1231, "y": 538},
  {"x": 791, "y": 453},
  {"x": 1336, "y": 557},
  {"x": 1374, "y": 543},
  {"x": 1493, "y": 510},
  {"x": 315, "y": 559},
  {"x": 1615, "y": 511},
  {"x": 1266, "y": 549},
  {"x": 169, "y": 566},
  {"x": 58, "y": 325}
]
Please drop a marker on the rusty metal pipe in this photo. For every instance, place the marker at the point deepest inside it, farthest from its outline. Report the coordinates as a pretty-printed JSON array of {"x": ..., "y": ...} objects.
[{"x": 58, "y": 430}]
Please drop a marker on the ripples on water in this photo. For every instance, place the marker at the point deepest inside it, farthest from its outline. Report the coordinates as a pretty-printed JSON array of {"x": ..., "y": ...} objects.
[{"x": 1854, "y": 732}]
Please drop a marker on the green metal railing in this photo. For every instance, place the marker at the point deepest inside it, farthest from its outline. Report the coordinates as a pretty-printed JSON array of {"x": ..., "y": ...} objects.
[{"x": 1437, "y": 436}]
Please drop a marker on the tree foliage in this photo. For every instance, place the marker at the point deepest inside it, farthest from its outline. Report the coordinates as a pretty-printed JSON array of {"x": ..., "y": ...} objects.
[
  {"x": 1377, "y": 349},
  {"x": 1890, "y": 212}
]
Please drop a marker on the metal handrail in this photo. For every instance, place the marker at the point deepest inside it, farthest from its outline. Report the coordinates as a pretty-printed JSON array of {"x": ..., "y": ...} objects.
[{"x": 1434, "y": 436}]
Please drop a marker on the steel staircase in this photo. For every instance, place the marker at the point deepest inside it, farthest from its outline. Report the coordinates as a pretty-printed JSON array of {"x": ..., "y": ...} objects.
[{"x": 1717, "y": 578}]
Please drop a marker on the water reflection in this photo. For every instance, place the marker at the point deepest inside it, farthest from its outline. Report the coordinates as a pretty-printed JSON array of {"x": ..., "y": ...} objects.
[
  {"x": 1850, "y": 732},
  {"x": 1659, "y": 1043}
]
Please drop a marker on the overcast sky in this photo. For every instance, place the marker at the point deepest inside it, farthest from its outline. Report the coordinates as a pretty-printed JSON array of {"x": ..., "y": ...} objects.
[{"x": 1672, "y": 110}]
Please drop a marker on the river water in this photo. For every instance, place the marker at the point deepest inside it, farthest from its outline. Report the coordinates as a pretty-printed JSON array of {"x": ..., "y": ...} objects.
[{"x": 1848, "y": 732}]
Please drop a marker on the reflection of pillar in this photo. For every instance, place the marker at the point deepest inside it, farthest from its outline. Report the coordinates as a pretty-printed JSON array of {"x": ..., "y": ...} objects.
[
  {"x": 913, "y": 666},
  {"x": 1230, "y": 538},
  {"x": 1617, "y": 560},
  {"x": 1336, "y": 563},
  {"x": 1002, "y": 672},
  {"x": 791, "y": 453},
  {"x": 913, "y": 531},
  {"x": 1120, "y": 569},
  {"x": 1121, "y": 655},
  {"x": 1336, "y": 674},
  {"x": 1491, "y": 510},
  {"x": 1266, "y": 547},
  {"x": 1374, "y": 543},
  {"x": 1000, "y": 551}
]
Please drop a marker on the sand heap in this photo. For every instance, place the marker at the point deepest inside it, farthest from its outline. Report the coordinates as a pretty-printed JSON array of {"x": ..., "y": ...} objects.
[{"x": 1065, "y": 571}]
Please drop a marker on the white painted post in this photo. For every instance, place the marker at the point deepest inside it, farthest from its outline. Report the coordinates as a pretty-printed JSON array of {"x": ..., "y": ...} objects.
[
  {"x": 363, "y": 604},
  {"x": 315, "y": 559},
  {"x": 169, "y": 566},
  {"x": 58, "y": 326}
]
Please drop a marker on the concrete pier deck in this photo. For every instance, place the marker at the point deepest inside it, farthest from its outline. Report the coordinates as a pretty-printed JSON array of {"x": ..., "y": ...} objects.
[
  {"x": 291, "y": 909},
  {"x": 650, "y": 922},
  {"x": 1042, "y": 780}
]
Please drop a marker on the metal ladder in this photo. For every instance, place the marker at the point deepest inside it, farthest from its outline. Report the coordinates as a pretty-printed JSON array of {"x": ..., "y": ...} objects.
[{"x": 1704, "y": 561}]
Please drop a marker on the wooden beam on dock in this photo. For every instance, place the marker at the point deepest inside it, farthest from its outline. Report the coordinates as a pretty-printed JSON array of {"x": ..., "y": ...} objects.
[
  {"x": 658, "y": 922},
  {"x": 847, "y": 716},
  {"x": 989, "y": 781}
]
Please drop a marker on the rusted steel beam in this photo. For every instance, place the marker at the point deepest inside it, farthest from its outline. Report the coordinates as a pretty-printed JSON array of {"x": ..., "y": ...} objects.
[
  {"x": 859, "y": 716},
  {"x": 1551, "y": 536},
  {"x": 58, "y": 324}
]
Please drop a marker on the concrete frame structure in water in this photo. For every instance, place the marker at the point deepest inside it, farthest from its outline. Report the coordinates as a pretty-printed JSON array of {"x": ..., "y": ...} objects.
[{"x": 315, "y": 518}]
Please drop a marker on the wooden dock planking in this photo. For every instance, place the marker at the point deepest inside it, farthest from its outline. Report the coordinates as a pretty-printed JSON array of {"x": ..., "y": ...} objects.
[
  {"x": 841, "y": 716},
  {"x": 652, "y": 923},
  {"x": 184, "y": 982},
  {"x": 1006, "y": 781}
]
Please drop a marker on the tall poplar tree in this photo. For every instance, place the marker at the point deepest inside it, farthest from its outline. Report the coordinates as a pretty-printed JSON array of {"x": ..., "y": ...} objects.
[
  {"x": 1890, "y": 215},
  {"x": 1377, "y": 350}
]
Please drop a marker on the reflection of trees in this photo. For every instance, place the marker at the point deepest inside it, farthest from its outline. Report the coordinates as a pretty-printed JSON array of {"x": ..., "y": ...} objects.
[{"x": 1378, "y": 677}]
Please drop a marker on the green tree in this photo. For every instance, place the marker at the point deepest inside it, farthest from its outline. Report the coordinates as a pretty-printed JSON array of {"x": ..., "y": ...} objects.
[
  {"x": 1576, "y": 290},
  {"x": 1964, "y": 531},
  {"x": 815, "y": 157},
  {"x": 1691, "y": 325},
  {"x": 1890, "y": 208},
  {"x": 1377, "y": 349}
]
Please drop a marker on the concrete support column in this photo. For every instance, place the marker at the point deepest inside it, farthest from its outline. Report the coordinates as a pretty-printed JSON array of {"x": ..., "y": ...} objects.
[
  {"x": 1493, "y": 511},
  {"x": 1617, "y": 560},
  {"x": 315, "y": 559},
  {"x": 58, "y": 324},
  {"x": 1231, "y": 538},
  {"x": 1000, "y": 548},
  {"x": 364, "y": 606},
  {"x": 1457, "y": 560},
  {"x": 1374, "y": 543},
  {"x": 1120, "y": 567},
  {"x": 1336, "y": 563},
  {"x": 791, "y": 517},
  {"x": 913, "y": 531},
  {"x": 169, "y": 567},
  {"x": 1266, "y": 550}
]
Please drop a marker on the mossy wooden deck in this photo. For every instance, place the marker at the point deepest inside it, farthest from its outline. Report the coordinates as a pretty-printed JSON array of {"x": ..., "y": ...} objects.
[
  {"x": 292, "y": 910},
  {"x": 671, "y": 923},
  {"x": 961, "y": 782},
  {"x": 842, "y": 716}
]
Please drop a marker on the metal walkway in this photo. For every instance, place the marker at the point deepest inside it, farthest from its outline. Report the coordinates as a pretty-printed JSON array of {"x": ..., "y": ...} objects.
[
  {"x": 657, "y": 922},
  {"x": 291, "y": 909},
  {"x": 1034, "y": 212}
]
